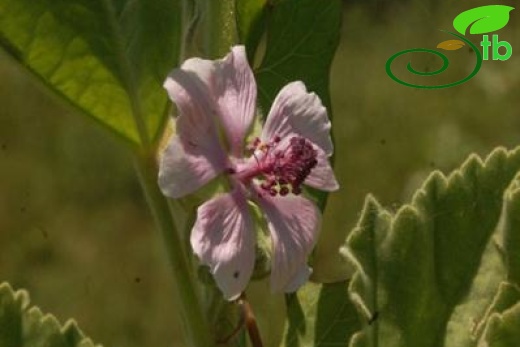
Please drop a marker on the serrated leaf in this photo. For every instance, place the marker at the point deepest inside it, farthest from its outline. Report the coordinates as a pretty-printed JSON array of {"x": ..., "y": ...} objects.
[
  {"x": 24, "y": 326},
  {"x": 504, "y": 329},
  {"x": 503, "y": 318},
  {"x": 511, "y": 232},
  {"x": 483, "y": 19},
  {"x": 251, "y": 18},
  {"x": 415, "y": 266},
  {"x": 108, "y": 58},
  {"x": 320, "y": 316},
  {"x": 501, "y": 326},
  {"x": 451, "y": 45}
]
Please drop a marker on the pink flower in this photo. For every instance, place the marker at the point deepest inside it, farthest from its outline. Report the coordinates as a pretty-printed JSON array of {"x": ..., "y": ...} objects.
[{"x": 216, "y": 101}]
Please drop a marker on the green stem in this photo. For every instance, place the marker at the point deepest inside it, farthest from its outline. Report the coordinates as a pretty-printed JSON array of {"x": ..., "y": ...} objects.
[
  {"x": 219, "y": 27},
  {"x": 195, "y": 324}
]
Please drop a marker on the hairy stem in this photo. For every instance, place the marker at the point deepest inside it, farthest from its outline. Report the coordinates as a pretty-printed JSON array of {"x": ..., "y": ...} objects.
[
  {"x": 219, "y": 27},
  {"x": 196, "y": 327}
]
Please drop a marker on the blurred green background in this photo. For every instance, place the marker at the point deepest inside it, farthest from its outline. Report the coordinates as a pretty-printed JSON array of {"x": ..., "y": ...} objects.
[{"x": 75, "y": 231}]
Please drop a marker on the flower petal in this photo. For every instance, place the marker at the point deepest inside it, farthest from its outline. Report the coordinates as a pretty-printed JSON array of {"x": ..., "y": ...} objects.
[
  {"x": 295, "y": 111},
  {"x": 234, "y": 89},
  {"x": 223, "y": 238},
  {"x": 294, "y": 225},
  {"x": 322, "y": 176},
  {"x": 225, "y": 87},
  {"x": 195, "y": 155},
  {"x": 188, "y": 90},
  {"x": 185, "y": 168}
]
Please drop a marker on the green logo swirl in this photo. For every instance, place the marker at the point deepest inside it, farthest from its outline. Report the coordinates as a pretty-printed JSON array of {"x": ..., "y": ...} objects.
[{"x": 445, "y": 64}]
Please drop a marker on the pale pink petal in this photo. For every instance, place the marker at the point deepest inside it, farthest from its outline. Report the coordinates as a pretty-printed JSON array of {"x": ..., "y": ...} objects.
[
  {"x": 294, "y": 225},
  {"x": 188, "y": 90},
  {"x": 297, "y": 112},
  {"x": 225, "y": 88},
  {"x": 322, "y": 176},
  {"x": 223, "y": 238},
  {"x": 195, "y": 155},
  {"x": 184, "y": 168},
  {"x": 234, "y": 89}
]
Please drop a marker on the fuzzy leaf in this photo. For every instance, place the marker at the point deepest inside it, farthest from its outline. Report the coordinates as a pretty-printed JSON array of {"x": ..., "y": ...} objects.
[
  {"x": 414, "y": 267},
  {"x": 504, "y": 329},
  {"x": 320, "y": 316},
  {"x": 503, "y": 324},
  {"x": 108, "y": 58},
  {"x": 511, "y": 232},
  {"x": 21, "y": 326},
  {"x": 483, "y": 19},
  {"x": 503, "y": 316}
]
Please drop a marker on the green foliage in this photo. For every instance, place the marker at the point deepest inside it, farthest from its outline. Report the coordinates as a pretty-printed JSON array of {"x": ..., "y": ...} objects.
[
  {"x": 502, "y": 320},
  {"x": 21, "y": 326},
  {"x": 483, "y": 19},
  {"x": 106, "y": 57},
  {"x": 416, "y": 266},
  {"x": 301, "y": 48},
  {"x": 302, "y": 37},
  {"x": 503, "y": 316},
  {"x": 511, "y": 232},
  {"x": 319, "y": 316},
  {"x": 251, "y": 16}
]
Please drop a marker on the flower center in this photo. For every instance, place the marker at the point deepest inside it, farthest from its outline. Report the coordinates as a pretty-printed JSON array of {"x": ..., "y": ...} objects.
[{"x": 281, "y": 167}]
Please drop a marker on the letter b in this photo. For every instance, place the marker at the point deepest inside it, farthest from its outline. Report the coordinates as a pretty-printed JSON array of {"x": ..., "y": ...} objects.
[{"x": 496, "y": 46}]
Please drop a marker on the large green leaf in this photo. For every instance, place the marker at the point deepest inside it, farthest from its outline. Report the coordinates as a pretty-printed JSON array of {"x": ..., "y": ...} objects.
[
  {"x": 503, "y": 330},
  {"x": 415, "y": 266},
  {"x": 511, "y": 232},
  {"x": 502, "y": 321},
  {"x": 106, "y": 57},
  {"x": 503, "y": 318},
  {"x": 302, "y": 36},
  {"x": 21, "y": 326},
  {"x": 251, "y": 23},
  {"x": 320, "y": 316}
]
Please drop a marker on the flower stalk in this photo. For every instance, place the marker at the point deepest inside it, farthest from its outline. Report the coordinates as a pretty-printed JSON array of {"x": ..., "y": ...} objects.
[
  {"x": 195, "y": 325},
  {"x": 219, "y": 27}
]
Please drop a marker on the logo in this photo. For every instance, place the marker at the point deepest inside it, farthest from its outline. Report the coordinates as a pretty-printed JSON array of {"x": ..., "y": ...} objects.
[{"x": 479, "y": 20}]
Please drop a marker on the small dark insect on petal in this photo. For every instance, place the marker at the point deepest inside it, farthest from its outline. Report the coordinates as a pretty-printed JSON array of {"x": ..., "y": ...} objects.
[{"x": 236, "y": 274}]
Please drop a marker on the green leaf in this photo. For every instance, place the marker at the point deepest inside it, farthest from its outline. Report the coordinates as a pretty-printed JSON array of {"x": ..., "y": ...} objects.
[
  {"x": 415, "y": 266},
  {"x": 320, "y": 316},
  {"x": 511, "y": 232},
  {"x": 503, "y": 325},
  {"x": 108, "y": 58},
  {"x": 302, "y": 37},
  {"x": 251, "y": 18},
  {"x": 503, "y": 329},
  {"x": 483, "y": 19},
  {"x": 21, "y": 326}
]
